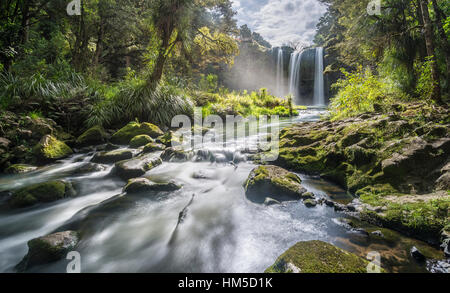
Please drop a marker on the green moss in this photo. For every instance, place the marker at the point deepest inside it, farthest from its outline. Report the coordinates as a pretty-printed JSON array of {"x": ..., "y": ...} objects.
[
  {"x": 133, "y": 129},
  {"x": 318, "y": 257},
  {"x": 49, "y": 148},
  {"x": 92, "y": 136},
  {"x": 140, "y": 140},
  {"x": 42, "y": 192},
  {"x": 153, "y": 147},
  {"x": 19, "y": 169}
]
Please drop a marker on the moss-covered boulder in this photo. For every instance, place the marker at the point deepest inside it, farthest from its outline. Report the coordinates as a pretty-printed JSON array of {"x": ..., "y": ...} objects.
[
  {"x": 318, "y": 257},
  {"x": 93, "y": 136},
  {"x": 112, "y": 156},
  {"x": 310, "y": 203},
  {"x": 140, "y": 140},
  {"x": 176, "y": 155},
  {"x": 41, "y": 193},
  {"x": 133, "y": 129},
  {"x": 140, "y": 185},
  {"x": 20, "y": 169},
  {"x": 154, "y": 147},
  {"x": 88, "y": 168},
  {"x": 273, "y": 182},
  {"x": 50, "y": 149},
  {"x": 136, "y": 167},
  {"x": 48, "y": 249}
]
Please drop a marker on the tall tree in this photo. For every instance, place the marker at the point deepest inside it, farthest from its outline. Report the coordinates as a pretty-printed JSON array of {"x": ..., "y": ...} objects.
[{"x": 436, "y": 94}]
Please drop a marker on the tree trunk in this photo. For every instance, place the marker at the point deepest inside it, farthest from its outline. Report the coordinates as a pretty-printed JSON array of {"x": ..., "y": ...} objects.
[
  {"x": 443, "y": 35},
  {"x": 436, "y": 95}
]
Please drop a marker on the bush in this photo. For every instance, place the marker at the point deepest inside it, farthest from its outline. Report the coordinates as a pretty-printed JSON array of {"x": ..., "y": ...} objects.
[{"x": 359, "y": 91}]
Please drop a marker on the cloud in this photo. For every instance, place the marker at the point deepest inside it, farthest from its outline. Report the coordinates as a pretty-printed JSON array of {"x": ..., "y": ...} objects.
[{"x": 281, "y": 21}]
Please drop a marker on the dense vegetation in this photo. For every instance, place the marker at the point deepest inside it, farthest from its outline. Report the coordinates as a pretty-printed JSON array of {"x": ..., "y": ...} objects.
[{"x": 402, "y": 54}]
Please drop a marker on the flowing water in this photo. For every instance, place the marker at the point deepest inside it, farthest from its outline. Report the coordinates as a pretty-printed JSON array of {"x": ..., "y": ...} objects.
[
  {"x": 280, "y": 73},
  {"x": 294, "y": 75},
  {"x": 319, "y": 92},
  {"x": 222, "y": 231}
]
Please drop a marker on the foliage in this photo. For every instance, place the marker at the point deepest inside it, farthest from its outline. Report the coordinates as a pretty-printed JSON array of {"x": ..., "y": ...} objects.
[
  {"x": 424, "y": 87},
  {"x": 359, "y": 91}
]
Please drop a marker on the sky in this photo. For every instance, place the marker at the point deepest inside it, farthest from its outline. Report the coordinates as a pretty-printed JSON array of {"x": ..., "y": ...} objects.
[{"x": 281, "y": 21}]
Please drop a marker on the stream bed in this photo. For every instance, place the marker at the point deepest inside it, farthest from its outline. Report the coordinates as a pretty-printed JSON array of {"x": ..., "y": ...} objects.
[{"x": 222, "y": 231}]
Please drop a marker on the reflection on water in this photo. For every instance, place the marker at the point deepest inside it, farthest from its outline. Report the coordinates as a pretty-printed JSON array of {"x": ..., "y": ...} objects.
[{"x": 222, "y": 231}]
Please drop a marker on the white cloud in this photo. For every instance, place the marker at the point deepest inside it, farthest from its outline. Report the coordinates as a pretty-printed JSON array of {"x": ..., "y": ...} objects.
[{"x": 281, "y": 21}]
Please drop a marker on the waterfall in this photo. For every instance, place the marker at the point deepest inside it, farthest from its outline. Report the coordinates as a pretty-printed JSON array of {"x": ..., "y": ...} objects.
[
  {"x": 319, "y": 96},
  {"x": 294, "y": 74},
  {"x": 280, "y": 73}
]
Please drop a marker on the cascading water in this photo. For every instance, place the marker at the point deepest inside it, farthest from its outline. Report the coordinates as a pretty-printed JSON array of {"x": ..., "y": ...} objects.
[
  {"x": 319, "y": 95},
  {"x": 294, "y": 74},
  {"x": 280, "y": 72}
]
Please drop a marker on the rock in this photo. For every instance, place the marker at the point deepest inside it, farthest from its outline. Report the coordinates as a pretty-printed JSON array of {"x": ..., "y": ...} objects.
[
  {"x": 351, "y": 208},
  {"x": 41, "y": 193},
  {"x": 48, "y": 249},
  {"x": 111, "y": 147},
  {"x": 274, "y": 182},
  {"x": 308, "y": 195},
  {"x": 140, "y": 140},
  {"x": 40, "y": 126},
  {"x": 378, "y": 233},
  {"x": 20, "y": 169},
  {"x": 416, "y": 254},
  {"x": 136, "y": 167},
  {"x": 443, "y": 182},
  {"x": 93, "y": 136},
  {"x": 329, "y": 203},
  {"x": 112, "y": 156},
  {"x": 168, "y": 139},
  {"x": 270, "y": 201},
  {"x": 318, "y": 257},
  {"x": 89, "y": 168},
  {"x": 51, "y": 149},
  {"x": 439, "y": 266},
  {"x": 176, "y": 155},
  {"x": 133, "y": 129},
  {"x": 154, "y": 147},
  {"x": 139, "y": 185},
  {"x": 310, "y": 203},
  {"x": 4, "y": 143},
  {"x": 202, "y": 174}
]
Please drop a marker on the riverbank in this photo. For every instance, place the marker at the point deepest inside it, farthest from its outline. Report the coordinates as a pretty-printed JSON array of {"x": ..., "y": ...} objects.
[{"x": 396, "y": 162}]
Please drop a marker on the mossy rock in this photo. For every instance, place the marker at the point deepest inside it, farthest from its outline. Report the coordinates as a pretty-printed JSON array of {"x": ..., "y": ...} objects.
[
  {"x": 154, "y": 147},
  {"x": 48, "y": 249},
  {"x": 318, "y": 257},
  {"x": 310, "y": 203},
  {"x": 176, "y": 155},
  {"x": 140, "y": 185},
  {"x": 50, "y": 149},
  {"x": 112, "y": 156},
  {"x": 274, "y": 182},
  {"x": 140, "y": 140},
  {"x": 20, "y": 169},
  {"x": 93, "y": 136},
  {"x": 168, "y": 139},
  {"x": 136, "y": 167},
  {"x": 133, "y": 129},
  {"x": 41, "y": 193}
]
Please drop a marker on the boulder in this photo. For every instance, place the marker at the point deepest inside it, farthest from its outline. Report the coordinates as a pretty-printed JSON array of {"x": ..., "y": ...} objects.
[
  {"x": 139, "y": 185},
  {"x": 310, "y": 203},
  {"x": 318, "y": 257},
  {"x": 41, "y": 193},
  {"x": 93, "y": 136},
  {"x": 154, "y": 147},
  {"x": 20, "y": 169},
  {"x": 48, "y": 249},
  {"x": 89, "y": 168},
  {"x": 50, "y": 149},
  {"x": 136, "y": 167},
  {"x": 308, "y": 195},
  {"x": 140, "y": 140},
  {"x": 417, "y": 255},
  {"x": 112, "y": 156},
  {"x": 274, "y": 182},
  {"x": 133, "y": 129},
  {"x": 176, "y": 155}
]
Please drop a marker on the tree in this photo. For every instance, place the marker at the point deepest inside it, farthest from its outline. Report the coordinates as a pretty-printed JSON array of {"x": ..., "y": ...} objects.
[{"x": 436, "y": 95}]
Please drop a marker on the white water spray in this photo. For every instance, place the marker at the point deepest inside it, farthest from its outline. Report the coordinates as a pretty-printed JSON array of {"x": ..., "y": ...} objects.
[
  {"x": 280, "y": 73},
  {"x": 319, "y": 96},
  {"x": 294, "y": 74}
]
